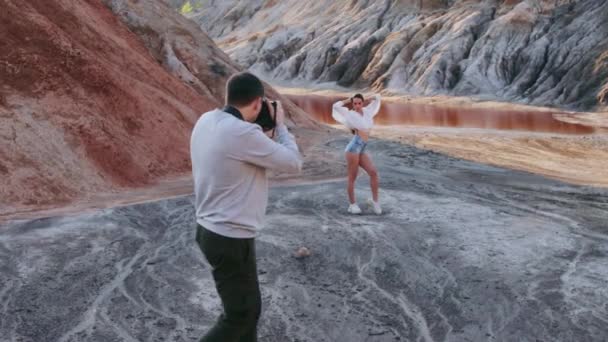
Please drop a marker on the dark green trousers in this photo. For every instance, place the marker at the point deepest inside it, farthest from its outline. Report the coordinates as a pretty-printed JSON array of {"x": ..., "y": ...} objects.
[{"x": 236, "y": 280}]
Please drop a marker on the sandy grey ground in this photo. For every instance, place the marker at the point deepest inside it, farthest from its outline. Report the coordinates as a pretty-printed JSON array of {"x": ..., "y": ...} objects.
[{"x": 464, "y": 252}]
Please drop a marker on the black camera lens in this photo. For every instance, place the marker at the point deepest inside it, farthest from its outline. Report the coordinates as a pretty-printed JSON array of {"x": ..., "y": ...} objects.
[{"x": 265, "y": 119}]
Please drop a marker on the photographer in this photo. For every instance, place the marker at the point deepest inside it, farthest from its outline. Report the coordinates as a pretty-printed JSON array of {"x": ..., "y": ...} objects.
[{"x": 230, "y": 155}]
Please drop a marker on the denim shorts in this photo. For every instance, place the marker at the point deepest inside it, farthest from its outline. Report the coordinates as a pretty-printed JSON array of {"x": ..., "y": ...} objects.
[{"x": 356, "y": 145}]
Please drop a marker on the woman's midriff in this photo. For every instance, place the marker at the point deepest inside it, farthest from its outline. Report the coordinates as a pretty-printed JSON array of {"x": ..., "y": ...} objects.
[{"x": 363, "y": 134}]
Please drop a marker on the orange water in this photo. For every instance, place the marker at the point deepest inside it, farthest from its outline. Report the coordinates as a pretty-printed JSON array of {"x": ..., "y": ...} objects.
[{"x": 392, "y": 113}]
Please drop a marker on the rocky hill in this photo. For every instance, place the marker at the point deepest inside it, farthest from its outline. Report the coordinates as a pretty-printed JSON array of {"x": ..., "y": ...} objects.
[
  {"x": 543, "y": 52},
  {"x": 99, "y": 96}
]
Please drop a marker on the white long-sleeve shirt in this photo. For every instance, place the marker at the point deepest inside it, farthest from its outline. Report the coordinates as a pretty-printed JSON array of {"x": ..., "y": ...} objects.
[
  {"x": 354, "y": 120},
  {"x": 229, "y": 161}
]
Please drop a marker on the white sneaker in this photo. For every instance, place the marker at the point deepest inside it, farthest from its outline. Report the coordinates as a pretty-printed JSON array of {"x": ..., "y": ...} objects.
[
  {"x": 354, "y": 209},
  {"x": 375, "y": 206}
]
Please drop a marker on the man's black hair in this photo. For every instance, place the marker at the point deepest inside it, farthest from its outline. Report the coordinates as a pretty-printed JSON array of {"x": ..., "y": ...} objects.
[{"x": 242, "y": 89}]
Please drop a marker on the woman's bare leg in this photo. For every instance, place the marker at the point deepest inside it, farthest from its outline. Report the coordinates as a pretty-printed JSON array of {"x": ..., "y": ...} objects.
[
  {"x": 352, "y": 161},
  {"x": 368, "y": 165}
]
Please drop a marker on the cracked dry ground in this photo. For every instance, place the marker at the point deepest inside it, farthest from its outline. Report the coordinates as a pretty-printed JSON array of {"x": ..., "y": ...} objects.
[{"x": 463, "y": 252}]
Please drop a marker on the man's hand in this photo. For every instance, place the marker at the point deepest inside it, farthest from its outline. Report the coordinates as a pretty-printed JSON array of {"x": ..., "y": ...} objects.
[{"x": 278, "y": 115}]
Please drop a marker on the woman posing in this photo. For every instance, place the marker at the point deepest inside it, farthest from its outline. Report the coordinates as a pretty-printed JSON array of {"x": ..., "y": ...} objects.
[{"x": 360, "y": 121}]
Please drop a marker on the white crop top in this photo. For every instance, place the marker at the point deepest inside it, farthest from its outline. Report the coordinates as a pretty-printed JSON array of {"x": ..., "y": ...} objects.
[{"x": 354, "y": 120}]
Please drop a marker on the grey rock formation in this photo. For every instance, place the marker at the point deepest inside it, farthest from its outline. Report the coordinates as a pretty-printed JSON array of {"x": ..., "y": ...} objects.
[
  {"x": 534, "y": 51},
  {"x": 186, "y": 52}
]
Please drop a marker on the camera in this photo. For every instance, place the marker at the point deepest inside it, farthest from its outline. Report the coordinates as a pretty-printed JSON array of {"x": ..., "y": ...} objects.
[{"x": 265, "y": 119}]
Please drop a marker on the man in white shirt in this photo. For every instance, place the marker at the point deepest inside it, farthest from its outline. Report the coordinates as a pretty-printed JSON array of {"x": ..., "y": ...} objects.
[{"x": 230, "y": 155}]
